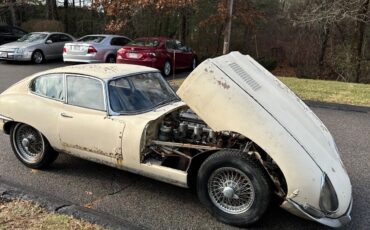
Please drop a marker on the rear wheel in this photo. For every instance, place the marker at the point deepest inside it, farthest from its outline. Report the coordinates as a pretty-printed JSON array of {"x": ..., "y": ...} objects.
[
  {"x": 167, "y": 68},
  {"x": 37, "y": 57},
  {"x": 194, "y": 63},
  {"x": 111, "y": 59},
  {"x": 233, "y": 187},
  {"x": 31, "y": 147}
]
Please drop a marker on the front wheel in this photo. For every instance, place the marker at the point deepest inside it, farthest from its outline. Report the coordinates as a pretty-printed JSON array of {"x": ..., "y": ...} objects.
[
  {"x": 31, "y": 147},
  {"x": 37, "y": 57},
  {"x": 233, "y": 187},
  {"x": 167, "y": 68}
]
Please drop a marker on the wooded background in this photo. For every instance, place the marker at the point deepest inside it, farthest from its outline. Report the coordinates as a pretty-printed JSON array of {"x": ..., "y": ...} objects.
[{"x": 320, "y": 39}]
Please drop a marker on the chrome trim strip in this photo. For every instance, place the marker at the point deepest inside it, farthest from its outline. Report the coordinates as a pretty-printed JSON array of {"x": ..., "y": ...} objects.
[
  {"x": 331, "y": 222},
  {"x": 4, "y": 118}
]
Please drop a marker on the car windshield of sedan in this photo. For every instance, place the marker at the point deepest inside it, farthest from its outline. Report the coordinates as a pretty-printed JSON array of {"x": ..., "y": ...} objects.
[
  {"x": 139, "y": 93},
  {"x": 144, "y": 43},
  {"x": 32, "y": 37},
  {"x": 95, "y": 39}
]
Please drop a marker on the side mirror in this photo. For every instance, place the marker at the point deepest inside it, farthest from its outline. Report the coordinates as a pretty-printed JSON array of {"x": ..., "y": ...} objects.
[{"x": 49, "y": 41}]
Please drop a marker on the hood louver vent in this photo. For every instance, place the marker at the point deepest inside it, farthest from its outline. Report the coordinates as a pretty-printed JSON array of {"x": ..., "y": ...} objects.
[{"x": 245, "y": 76}]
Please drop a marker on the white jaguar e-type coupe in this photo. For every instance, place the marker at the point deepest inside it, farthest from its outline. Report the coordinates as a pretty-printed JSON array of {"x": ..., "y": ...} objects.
[{"x": 238, "y": 135}]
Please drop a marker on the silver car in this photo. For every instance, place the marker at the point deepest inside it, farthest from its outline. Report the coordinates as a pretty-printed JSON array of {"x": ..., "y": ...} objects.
[
  {"x": 94, "y": 48},
  {"x": 36, "y": 47}
]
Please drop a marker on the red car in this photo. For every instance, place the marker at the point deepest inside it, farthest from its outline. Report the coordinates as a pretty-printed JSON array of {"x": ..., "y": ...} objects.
[{"x": 162, "y": 53}]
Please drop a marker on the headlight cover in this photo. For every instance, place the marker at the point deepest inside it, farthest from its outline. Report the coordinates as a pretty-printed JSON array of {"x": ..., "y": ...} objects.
[
  {"x": 19, "y": 51},
  {"x": 328, "y": 197}
]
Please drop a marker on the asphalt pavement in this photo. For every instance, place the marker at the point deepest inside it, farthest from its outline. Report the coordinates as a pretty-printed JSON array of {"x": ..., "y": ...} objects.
[{"x": 156, "y": 205}]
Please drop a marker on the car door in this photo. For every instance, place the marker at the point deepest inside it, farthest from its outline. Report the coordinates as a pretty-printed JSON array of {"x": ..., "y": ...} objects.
[
  {"x": 62, "y": 40},
  {"x": 50, "y": 48},
  {"x": 85, "y": 130},
  {"x": 174, "y": 53}
]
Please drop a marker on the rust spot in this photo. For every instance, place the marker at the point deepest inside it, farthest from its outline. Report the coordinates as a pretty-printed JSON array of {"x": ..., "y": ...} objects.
[
  {"x": 120, "y": 161},
  {"x": 95, "y": 150},
  {"x": 223, "y": 84}
]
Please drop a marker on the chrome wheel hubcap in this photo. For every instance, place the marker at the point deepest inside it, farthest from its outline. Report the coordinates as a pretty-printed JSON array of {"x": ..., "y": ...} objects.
[
  {"x": 231, "y": 190},
  {"x": 37, "y": 57},
  {"x": 29, "y": 143},
  {"x": 167, "y": 68}
]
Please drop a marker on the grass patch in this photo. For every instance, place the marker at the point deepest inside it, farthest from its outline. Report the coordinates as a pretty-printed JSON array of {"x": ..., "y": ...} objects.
[
  {"x": 318, "y": 90},
  {"x": 21, "y": 214}
]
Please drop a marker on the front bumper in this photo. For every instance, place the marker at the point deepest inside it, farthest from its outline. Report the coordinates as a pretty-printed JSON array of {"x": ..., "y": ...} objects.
[
  {"x": 298, "y": 210},
  {"x": 11, "y": 56}
]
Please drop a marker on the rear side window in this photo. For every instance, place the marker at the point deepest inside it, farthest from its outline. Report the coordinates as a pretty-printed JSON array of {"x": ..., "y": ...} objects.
[
  {"x": 18, "y": 32},
  {"x": 4, "y": 29},
  {"x": 85, "y": 92},
  {"x": 119, "y": 41},
  {"x": 140, "y": 42},
  {"x": 64, "y": 38},
  {"x": 95, "y": 39},
  {"x": 50, "y": 86}
]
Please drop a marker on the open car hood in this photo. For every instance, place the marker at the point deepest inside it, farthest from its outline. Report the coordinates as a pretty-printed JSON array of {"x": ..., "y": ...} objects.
[{"x": 219, "y": 79}]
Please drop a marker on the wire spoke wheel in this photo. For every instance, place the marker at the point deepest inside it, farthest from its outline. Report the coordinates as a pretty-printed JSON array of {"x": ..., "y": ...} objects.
[
  {"x": 231, "y": 190},
  {"x": 29, "y": 143}
]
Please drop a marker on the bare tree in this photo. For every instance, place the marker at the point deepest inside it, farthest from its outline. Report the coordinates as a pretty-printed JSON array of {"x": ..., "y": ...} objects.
[{"x": 329, "y": 13}]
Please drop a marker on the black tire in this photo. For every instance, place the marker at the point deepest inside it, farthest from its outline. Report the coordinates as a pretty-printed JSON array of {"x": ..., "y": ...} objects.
[
  {"x": 37, "y": 57},
  {"x": 42, "y": 159},
  {"x": 240, "y": 164},
  {"x": 111, "y": 59},
  {"x": 194, "y": 63},
  {"x": 167, "y": 68}
]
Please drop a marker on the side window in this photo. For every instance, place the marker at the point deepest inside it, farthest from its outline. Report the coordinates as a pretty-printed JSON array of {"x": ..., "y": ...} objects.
[
  {"x": 85, "y": 92},
  {"x": 54, "y": 38},
  {"x": 170, "y": 44},
  {"x": 50, "y": 86},
  {"x": 64, "y": 38},
  {"x": 18, "y": 33},
  {"x": 4, "y": 29},
  {"x": 119, "y": 41}
]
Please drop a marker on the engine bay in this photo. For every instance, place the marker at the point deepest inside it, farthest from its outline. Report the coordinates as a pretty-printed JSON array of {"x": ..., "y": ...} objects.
[{"x": 177, "y": 138}]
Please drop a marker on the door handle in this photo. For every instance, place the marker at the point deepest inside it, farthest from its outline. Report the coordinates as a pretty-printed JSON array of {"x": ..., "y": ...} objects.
[{"x": 65, "y": 115}]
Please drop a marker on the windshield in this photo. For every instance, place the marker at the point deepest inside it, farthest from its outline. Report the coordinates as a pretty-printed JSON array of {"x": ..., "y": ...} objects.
[
  {"x": 95, "y": 39},
  {"x": 141, "y": 42},
  {"x": 32, "y": 37},
  {"x": 139, "y": 93}
]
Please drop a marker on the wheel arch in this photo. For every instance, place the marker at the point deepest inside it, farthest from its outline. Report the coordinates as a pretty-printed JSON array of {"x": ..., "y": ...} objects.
[{"x": 280, "y": 185}]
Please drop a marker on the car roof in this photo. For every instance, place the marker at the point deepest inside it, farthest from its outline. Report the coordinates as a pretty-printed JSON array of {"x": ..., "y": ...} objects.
[{"x": 102, "y": 71}]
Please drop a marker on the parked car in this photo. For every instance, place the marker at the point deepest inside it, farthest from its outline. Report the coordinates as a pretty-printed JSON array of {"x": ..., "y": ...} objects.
[
  {"x": 36, "y": 47},
  {"x": 238, "y": 137},
  {"x": 161, "y": 53},
  {"x": 94, "y": 48},
  {"x": 10, "y": 34}
]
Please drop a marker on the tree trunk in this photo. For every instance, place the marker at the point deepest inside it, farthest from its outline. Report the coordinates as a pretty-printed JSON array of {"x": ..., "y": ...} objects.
[
  {"x": 183, "y": 27},
  {"x": 66, "y": 16},
  {"x": 359, "y": 37},
  {"x": 324, "y": 43},
  {"x": 227, "y": 33},
  {"x": 12, "y": 11}
]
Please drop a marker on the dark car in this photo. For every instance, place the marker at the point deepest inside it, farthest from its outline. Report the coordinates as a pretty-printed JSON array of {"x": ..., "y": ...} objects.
[
  {"x": 10, "y": 34},
  {"x": 161, "y": 53}
]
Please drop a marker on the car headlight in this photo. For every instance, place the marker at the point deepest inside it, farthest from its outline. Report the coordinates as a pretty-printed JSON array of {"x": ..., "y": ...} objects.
[
  {"x": 328, "y": 197},
  {"x": 19, "y": 51}
]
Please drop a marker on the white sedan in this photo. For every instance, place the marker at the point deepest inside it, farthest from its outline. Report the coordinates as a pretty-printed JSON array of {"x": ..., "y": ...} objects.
[{"x": 241, "y": 137}]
